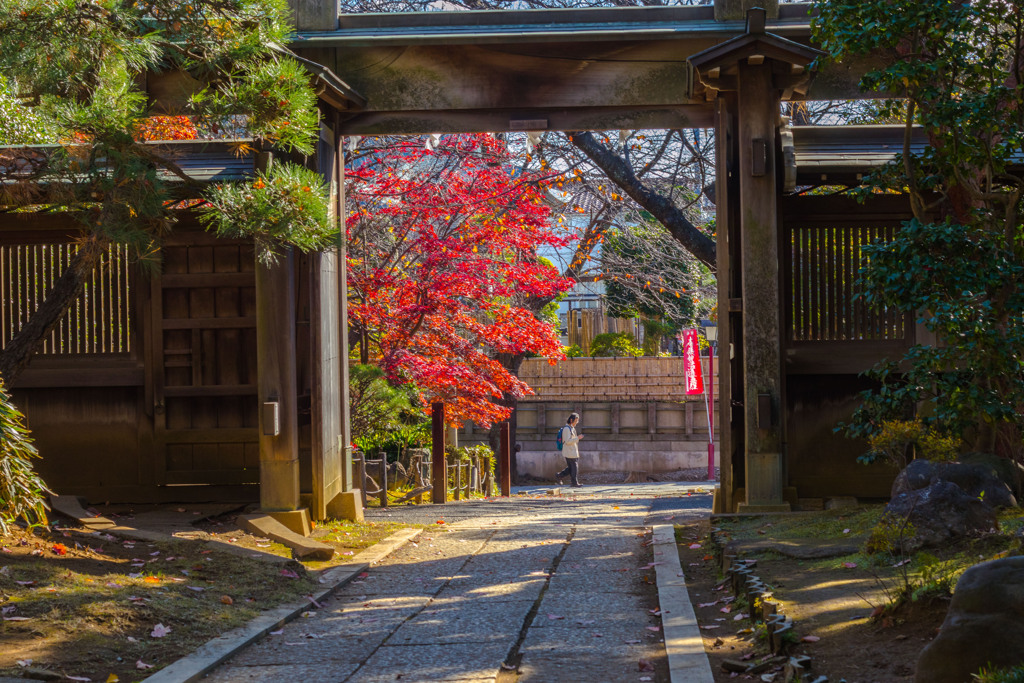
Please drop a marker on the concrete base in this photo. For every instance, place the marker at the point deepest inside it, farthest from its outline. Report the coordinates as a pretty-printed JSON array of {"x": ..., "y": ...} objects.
[
  {"x": 295, "y": 520},
  {"x": 597, "y": 455},
  {"x": 760, "y": 508},
  {"x": 346, "y": 505},
  {"x": 304, "y": 548},
  {"x": 71, "y": 507}
]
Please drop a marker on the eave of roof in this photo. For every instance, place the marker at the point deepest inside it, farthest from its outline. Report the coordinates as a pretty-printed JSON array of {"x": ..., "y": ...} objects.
[{"x": 538, "y": 26}]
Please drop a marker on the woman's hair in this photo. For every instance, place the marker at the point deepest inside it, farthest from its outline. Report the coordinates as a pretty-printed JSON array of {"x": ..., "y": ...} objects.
[{"x": 573, "y": 417}]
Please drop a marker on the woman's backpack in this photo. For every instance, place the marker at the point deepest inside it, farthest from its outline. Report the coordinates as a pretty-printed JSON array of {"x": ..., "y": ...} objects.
[{"x": 558, "y": 441}]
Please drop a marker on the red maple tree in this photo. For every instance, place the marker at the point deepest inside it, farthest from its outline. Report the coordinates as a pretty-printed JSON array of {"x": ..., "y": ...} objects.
[{"x": 442, "y": 256}]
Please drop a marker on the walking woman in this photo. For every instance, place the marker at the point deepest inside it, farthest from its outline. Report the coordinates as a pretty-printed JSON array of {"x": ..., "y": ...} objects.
[{"x": 570, "y": 450}]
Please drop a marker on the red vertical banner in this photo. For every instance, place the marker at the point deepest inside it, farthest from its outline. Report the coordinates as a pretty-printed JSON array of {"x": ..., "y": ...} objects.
[{"x": 691, "y": 358}]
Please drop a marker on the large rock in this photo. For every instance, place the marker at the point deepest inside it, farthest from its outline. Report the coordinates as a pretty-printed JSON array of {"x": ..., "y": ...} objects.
[
  {"x": 939, "y": 512},
  {"x": 979, "y": 479},
  {"x": 984, "y": 625}
]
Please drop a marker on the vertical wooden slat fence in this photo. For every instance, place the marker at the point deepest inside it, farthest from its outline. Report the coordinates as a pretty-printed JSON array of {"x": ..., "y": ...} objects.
[
  {"x": 98, "y": 322},
  {"x": 825, "y": 265}
]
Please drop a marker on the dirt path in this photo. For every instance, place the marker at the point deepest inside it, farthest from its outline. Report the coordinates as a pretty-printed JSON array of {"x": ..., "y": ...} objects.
[{"x": 831, "y": 605}]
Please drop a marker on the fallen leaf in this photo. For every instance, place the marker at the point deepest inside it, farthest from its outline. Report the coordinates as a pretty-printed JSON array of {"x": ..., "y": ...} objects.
[
  {"x": 708, "y": 627},
  {"x": 77, "y": 678},
  {"x": 850, "y": 565},
  {"x": 28, "y": 662},
  {"x": 227, "y": 600},
  {"x": 654, "y": 628},
  {"x": 289, "y": 573},
  {"x": 15, "y": 618},
  {"x": 846, "y": 531},
  {"x": 151, "y": 579},
  {"x": 554, "y": 617},
  {"x": 159, "y": 631},
  {"x": 632, "y": 642},
  {"x": 139, "y": 664},
  {"x": 645, "y": 665},
  {"x": 810, "y": 639},
  {"x": 695, "y": 546},
  {"x": 197, "y": 589},
  {"x": 112, "y": 678}
]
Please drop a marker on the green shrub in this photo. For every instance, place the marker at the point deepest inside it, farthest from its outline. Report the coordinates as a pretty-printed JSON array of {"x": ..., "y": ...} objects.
[
  {"x": 989, "y": 675},
  {"x": 22, "y": 492},
  {"x": 615, "y": 345},
  {"x": 895, "y": 439}
]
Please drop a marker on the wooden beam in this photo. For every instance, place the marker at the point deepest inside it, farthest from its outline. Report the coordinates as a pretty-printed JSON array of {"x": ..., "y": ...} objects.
[{"x": 693, "y": 115}]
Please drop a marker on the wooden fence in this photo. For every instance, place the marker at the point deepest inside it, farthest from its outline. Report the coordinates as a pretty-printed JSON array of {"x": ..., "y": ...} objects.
[{"x": 609, "y": 379}]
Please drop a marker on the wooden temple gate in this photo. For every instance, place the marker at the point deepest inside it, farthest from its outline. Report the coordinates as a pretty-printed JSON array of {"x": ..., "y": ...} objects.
[{"x": 233, "y": 375}]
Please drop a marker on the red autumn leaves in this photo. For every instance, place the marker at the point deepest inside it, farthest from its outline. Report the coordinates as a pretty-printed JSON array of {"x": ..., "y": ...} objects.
[{"x": 442, "y": 261}]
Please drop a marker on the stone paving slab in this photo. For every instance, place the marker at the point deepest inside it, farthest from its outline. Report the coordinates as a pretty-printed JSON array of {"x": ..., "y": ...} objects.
[
  {"x": 595, "y": 581},
  {"x": 399, "y": 583},
  {"x": 320, "y": 672},
  {"x": 449, "y": 662},
  {"x": 452, "y": 623},
  {"x": 484, "y": 595},
  {"x": 567, "y": 654},
  {"x": 417, "y": 615}
]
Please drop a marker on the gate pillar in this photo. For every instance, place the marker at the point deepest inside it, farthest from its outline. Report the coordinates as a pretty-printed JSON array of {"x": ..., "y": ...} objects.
[{"x": 756, "y": 71}]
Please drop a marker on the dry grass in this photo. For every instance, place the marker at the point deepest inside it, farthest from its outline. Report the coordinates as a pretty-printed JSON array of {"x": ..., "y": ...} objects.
[{"x": 86, "y": 604}]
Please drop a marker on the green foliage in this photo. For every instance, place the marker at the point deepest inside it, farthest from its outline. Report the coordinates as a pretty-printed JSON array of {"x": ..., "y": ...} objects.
[
  {"x": 615, "y": 345},
  {"x": 280, "y": 106},
  {"x": 888, "y": 534},
  {"x": 74, "y": 75},
  {"x": 958, "y": 267},
  {"x": 20, "y": 124},
  {"x": 988, "y": 674},
  {"x": 286, "y": 206},
  {"x": 573, "y": 351},
  {"x": 383, "y": 417},
  {"x": 665, "y": 294},
  {"x": 894, "y": 439},
  {"x": 975, "y": 304},
  {"x": 22, "y": 492}
]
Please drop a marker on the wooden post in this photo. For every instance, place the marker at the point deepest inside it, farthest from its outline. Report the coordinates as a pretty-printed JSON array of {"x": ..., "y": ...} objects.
[
  {"x": 505, "y": 463},
  {"x": 457, "y": 463},
  {"x": 383, "y": 479},
  {"x": 728, "y": 240},
  {"x": 439, "y": 475},
  {"x": 276, "y": 371},
  {"x": 758, "y": 107}
]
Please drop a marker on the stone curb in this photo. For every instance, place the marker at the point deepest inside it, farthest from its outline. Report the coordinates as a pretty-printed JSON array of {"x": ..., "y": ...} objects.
[
  {"x": 196, "y": 665},
  {"x": 687, "y": 661}
]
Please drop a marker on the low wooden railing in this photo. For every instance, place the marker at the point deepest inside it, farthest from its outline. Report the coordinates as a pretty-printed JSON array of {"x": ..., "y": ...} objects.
[{"x": 463, "y": 477}]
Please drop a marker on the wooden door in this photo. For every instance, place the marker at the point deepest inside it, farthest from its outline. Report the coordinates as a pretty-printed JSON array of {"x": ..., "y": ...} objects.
[{"x": 203, "y": 355}]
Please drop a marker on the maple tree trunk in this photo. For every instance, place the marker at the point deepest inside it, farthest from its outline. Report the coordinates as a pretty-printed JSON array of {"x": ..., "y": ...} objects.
[
  {"x": 18, "y": 352},
  {"x": 512, "y": 363},
  {"x": 621, "y": 173}
]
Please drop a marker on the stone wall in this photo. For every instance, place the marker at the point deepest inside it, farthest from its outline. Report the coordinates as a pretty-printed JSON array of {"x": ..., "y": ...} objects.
[{"x": 620, "y": 436}]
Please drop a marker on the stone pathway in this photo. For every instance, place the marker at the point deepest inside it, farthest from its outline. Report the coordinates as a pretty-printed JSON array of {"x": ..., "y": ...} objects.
[{"x": 556, "y": 588}]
